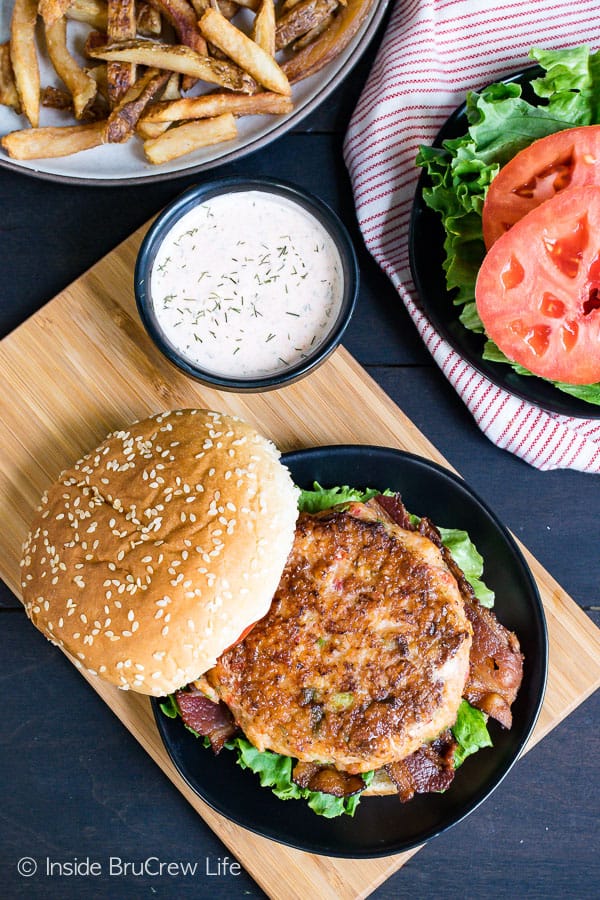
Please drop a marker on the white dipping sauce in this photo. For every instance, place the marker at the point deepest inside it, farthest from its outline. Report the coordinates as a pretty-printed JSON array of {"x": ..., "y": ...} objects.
[{"x": 247, "y": 284}]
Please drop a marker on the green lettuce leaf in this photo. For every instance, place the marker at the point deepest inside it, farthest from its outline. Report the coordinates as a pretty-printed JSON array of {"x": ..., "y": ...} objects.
[
  {"x": 590, "y": 393},
  {"x": 169, "y": 707},
  {"x": 465, "y": 554},
  {"x": 275, "y": 771},
  {"x": 501, "y": 122},
  {"x": 321, "y": 498},
  {"x": 470, "y": 732}
]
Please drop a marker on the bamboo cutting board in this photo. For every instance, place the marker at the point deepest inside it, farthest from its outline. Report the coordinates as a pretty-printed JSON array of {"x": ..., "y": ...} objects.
[{"x": 84, "y": 366}]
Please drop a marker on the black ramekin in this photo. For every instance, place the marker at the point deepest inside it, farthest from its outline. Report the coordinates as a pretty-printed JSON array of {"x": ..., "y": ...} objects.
[{"x": 202, "y": 192}]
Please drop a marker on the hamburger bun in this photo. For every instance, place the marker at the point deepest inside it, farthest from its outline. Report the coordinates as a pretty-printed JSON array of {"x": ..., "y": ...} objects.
[{"x": 155, "y": 552}]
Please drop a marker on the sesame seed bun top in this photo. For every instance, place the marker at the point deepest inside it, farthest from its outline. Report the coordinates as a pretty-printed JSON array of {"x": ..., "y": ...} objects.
[{"x": 151, "y": 555}]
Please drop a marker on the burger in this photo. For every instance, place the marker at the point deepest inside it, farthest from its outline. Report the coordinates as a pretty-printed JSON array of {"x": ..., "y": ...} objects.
[{"x": 337, "y": 644}]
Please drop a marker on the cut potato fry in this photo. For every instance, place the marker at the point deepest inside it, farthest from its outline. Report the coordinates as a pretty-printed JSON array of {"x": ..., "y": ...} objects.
[
  {"x": 92, "y": 12},
  {"x": 247, "y": 4},
  {"x": 303, "y": 17},
  {"x": 23, "y": 57},
  {"x": 184, "y": 20},
  {"x": 227, "y": 8},
  {"x": 330, "y": 44},
  {"x": 209, "y": 105},
  {"x": 313, "y": 34},
  {"x": 55, "y": 98},
  {"x": 123, "y": 120},
  {"x": 184, "y": 139},
  {"x": 95, "y": 13},
  {"x": 51, "y": 142},
  {"x": 239, "y": 47},
  {"x": 263, "y": 29},
  {"x": 149, "y": 130},
  {"x": 148, "y": 20},
  {"x": 178, "y": 58},
  {"x": 172, "y": 91},
  {"x": 120, "y": 26},
  {"x": 81, "y": 85},
  {"x": 8, "y": 88},
  {"x": 53, "y": 10}
]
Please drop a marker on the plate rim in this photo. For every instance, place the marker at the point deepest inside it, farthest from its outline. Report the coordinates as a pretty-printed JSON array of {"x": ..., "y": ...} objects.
[
  {"x": 363, "y": 41},
  {"x": 558, "y": 402},
  {"x": 541, "y": 624}
]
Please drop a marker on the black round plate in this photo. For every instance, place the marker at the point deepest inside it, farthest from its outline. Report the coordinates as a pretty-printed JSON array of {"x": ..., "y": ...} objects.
[
  {"x": 382, "y": 825},
  {"x": 426, "y": 247}
]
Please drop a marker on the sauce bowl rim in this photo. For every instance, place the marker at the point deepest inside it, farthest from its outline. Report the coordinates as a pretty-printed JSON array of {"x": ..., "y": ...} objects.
[{"x": 197, "y": 194}]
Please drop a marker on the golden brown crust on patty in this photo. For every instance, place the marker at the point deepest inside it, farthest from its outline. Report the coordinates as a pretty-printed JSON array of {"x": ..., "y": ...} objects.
[{"x": 364, "y": 653}]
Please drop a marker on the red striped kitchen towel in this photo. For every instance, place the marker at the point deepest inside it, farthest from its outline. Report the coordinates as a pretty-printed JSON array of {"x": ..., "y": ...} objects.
[{"x": 432, "y": 53}]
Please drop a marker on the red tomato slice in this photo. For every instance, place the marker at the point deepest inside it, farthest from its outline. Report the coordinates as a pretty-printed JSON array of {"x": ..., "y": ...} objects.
[
  {"x": 244, "y": 634},
  {"x": 538, "y": 289},
  {"x": 568, "y": 158}
]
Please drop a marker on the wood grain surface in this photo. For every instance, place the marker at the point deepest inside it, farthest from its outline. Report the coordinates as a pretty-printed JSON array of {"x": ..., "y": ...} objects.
[{"x": 83, "y": 366}]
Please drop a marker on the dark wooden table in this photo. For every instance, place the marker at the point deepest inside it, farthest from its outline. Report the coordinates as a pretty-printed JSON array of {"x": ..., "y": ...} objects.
[{"x": 74, "y": 781}]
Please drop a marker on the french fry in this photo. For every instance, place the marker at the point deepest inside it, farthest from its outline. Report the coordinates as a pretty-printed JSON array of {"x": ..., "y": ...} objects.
[
  {"x": 98, "y": 73},
  {"x": 313, "y": 34},
  {"x": 200, "y": 6},
  {"x": 51, "y": 142},
  {"x": 330, "y": 44},
  {"x": 172, "y": 91},
  {"x": 303, "y": 17},
  {"x": 263, "y": 29},
  {"x": 81, "y": 85},
  {"x": 248, "y": 4},
  {"x": 95, "y": 13},
  {"x": 124, "y": 118},
  {"x": 120, "y": 26},
  {"x": 23, "y": 57},
  {"x": 8, "y": 88},
  {"x": 148, "y": 20},
  {"x": 92, "y": 12},
  {"x": 184, "y": 20},
  {"x": 178, "y": 58},
  {"x": 53, "y": 10},
  {"x": 184, "y": 139},
  {"x": 227, "y": 8},
  {"x": 244, "y": 52},
  {"x": 210, "y": 105},
  {"x": 55, "y": 98},
  {"x": 149, "y": 130}
]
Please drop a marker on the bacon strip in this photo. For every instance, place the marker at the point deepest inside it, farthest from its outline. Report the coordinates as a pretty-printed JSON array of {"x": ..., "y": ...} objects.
[
  {"x": 207, "y": 718},
  {"x": 496, "y": 665},
  {"x": 327, "y": 779},
  {"x": 430, "y": 768},
  {"x": 394, "y": 509}
]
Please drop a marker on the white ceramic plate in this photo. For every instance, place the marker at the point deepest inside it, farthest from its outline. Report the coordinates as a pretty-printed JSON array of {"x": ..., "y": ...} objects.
[{"x": 125, "y": 163}]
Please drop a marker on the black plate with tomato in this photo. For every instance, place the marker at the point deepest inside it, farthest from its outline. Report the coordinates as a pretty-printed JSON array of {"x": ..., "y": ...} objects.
[{"x": 426, "y": 244}]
